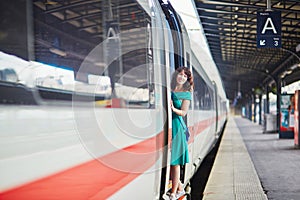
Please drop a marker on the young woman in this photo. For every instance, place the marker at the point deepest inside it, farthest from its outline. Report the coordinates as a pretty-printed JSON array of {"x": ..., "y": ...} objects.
[{"x": 181, "y": 85}]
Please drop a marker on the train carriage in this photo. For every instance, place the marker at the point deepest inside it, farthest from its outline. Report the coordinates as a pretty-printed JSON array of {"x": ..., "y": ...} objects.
[{"x": 90, "y": 118}]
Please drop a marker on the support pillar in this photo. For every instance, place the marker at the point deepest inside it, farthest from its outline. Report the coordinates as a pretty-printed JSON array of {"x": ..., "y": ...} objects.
[
  {"x": 259, "y": 111},
  {"x": 250, "y": 109},
  {"x": 278, "y": 84},
  {"x": 254, "y": 110},
  {"x": 267, "y": 110}
]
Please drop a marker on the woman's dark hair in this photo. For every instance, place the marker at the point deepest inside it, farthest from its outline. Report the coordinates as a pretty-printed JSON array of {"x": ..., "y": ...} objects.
[{"x": 189, "y": 84}]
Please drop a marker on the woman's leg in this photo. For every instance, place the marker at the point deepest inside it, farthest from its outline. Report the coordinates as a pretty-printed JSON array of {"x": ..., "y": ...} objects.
[{"x": 175, "y": 170}]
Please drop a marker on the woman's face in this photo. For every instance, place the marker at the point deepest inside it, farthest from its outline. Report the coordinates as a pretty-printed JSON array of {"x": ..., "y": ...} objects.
[{"x": 181, "y": 78}]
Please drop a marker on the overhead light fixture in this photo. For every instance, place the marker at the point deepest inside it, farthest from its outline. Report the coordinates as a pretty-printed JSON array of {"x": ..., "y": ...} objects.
[
  {"x": 298, "y": 48},
  {"x": 294, "y": 66},
  {"x": 58, "y": 52},
  {"x": 100, "y": 64},
  {"x": 50, "y": 2},
  {"x": 289, "y": 71}
]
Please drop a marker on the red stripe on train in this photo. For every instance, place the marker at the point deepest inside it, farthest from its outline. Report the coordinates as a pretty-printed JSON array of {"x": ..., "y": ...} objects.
[
  {"x": 97, "y": 179},
  {"x": 200, "y": 127}
]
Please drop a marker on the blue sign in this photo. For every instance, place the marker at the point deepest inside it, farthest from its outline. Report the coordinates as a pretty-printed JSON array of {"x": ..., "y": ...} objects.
[{"x": 268, "y": 29}]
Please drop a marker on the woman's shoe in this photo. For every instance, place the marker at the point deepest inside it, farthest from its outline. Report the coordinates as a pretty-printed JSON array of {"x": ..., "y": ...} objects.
[
  {"x": 169, "y": 196},
  {"x": 173, "y": 196},
  {"x": 179, "y": 194}
]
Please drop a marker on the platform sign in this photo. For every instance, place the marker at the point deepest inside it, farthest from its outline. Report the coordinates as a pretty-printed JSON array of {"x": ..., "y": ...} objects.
[{"x": 268, "y": 29}]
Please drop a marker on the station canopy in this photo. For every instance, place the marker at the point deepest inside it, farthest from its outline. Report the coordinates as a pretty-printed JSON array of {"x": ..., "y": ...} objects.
[{"x": 230, "y": 29}]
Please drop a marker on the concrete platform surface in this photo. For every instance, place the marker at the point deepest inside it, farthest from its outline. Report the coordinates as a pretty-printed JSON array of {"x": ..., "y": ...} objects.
[
  {"x": 233, "y": 176},
  {"x": 277, "y": 161}
]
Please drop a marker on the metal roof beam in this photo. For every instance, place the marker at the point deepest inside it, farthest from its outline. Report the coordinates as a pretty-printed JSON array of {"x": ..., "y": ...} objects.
[
  {"x": 71, "y": 5},
  {"x": 250, "y": 6}
]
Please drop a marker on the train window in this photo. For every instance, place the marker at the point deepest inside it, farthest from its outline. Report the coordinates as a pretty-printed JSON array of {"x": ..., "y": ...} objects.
[
  {"x": 203, "y": 95},
  {"x": 171, "y": 53},
  {"x": 188, "y": 64},
  {"x": 110, "y": 48},
  {"x": 129, "y": 60},
  {"x": 100, "y": 51},
  {"x": 174, "y": 26}
]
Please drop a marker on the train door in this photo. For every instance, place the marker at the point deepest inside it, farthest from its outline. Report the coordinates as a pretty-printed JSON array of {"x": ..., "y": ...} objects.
[
  {"x": 188, "y": 169},
  {"x": 178, "y": 55},
  {"x": 185, "y": 60},
  {"x": 216, "y": 108},
  {"x": 169, "y": 70}
]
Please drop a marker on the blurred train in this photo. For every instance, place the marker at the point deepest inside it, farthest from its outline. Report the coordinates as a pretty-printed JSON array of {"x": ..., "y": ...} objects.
[{"x": 103, "y": 130}]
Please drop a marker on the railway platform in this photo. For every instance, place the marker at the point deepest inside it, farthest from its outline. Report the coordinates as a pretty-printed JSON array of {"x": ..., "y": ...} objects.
[{"x": 253, "y": 165}]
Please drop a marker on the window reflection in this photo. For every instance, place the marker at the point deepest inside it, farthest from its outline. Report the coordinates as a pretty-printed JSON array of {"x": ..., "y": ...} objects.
[
  {"x": 203, "y": 94},
  {"x": 101, "y": 50}
]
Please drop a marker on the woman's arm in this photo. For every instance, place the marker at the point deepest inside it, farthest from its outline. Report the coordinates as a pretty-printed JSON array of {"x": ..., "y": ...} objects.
[{"x": 184, "y": 108}]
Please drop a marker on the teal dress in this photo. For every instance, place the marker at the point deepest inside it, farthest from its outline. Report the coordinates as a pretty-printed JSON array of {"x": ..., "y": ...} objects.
[{"x": 179, "y": 152}]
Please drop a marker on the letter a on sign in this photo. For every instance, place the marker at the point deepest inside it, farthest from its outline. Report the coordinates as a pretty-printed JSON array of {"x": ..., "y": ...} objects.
[{"x": 267, "y": 27}]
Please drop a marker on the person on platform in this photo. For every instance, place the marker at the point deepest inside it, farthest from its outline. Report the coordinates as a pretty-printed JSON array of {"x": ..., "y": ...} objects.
[{"x": 181, "y": 85}]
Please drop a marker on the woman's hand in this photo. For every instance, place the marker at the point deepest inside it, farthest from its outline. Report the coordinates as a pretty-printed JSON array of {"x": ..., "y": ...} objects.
[
  {"x": 175, "y": 110},
  {"x": 184, "y": 108},
  {"x": 172, "y": 106}
]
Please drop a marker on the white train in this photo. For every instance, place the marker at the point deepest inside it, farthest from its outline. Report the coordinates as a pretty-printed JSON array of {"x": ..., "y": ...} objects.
[{"x": 109, "y": 137}]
